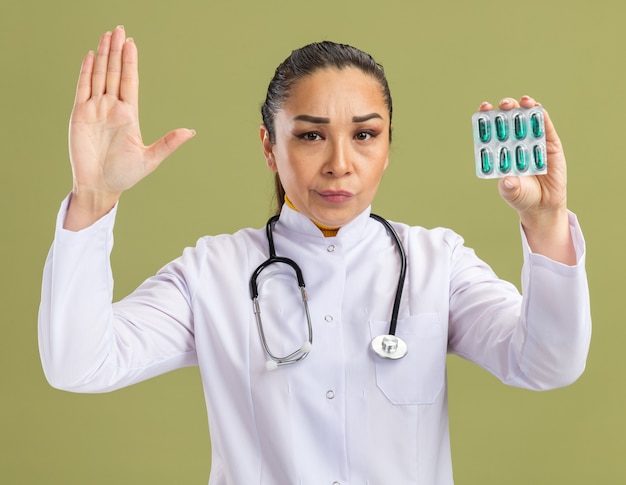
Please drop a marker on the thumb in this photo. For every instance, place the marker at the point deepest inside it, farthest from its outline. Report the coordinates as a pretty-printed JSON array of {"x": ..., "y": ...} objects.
[
  {"x": 509, "y": 188},
  {"x": 165, "y": 146}
]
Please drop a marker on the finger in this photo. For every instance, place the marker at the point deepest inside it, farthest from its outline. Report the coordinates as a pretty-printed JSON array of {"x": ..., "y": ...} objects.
[
  {"x": 129, "y": 88},
  {"x": 528, "y": 102},
  {"x": 549, "y": 126},
  {"x": 485, "y": 106},
  {"x": 509, "y": 188},
  {"x": 98, "y": 78},
  {"x": 114, "y": 66},
  {"x": 553, "y": 142},
  {"x": 83, "y": 88},
  {"x": 161, "y": 149},
  {"x": 508, "y": 103}
]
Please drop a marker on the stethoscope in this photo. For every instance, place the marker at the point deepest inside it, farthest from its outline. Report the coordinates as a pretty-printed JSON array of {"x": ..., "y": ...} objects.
[{"x": 387, "y": 346}]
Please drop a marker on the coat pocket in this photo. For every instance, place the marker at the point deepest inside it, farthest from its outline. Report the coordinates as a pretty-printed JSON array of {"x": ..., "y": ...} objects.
[{"x": 418, "y": 377}]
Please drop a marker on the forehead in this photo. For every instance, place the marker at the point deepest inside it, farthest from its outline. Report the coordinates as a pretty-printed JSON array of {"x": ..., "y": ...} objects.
[{"x": 330, "y": 89}]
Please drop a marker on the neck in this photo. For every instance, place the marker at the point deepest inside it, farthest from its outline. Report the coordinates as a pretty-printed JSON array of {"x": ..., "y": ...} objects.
[{"x": 327, "y": 231}]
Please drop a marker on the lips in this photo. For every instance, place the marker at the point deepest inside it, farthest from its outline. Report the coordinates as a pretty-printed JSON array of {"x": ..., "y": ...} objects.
[{"x": 335, "y": 195}]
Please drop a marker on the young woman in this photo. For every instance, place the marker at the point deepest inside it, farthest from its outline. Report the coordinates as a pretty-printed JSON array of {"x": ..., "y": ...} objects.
[{"x": 336, "y": 373}]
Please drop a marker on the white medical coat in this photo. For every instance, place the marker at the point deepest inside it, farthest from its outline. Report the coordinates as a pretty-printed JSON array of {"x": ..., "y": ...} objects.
[{"x": 342, "y": 415}]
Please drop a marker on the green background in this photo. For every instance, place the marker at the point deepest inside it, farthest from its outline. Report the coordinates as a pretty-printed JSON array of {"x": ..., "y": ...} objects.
[{"x": 205, "y": 65}]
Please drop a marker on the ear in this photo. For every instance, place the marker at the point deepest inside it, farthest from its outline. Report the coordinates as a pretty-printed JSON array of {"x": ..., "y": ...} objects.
[{"x": 268, "y": 148}]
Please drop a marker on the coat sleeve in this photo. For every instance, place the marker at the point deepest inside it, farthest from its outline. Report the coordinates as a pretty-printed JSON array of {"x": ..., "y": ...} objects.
[
  {"x": 537, "y": 340},
  {"x": 89, "y": 344}
]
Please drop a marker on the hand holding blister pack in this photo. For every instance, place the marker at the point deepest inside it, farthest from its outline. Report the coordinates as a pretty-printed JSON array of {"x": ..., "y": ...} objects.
[{"x": 509, "y": 142}]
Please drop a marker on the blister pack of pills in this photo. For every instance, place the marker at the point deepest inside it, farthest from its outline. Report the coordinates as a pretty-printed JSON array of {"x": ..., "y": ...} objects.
[{"x": 511, "y": 142}]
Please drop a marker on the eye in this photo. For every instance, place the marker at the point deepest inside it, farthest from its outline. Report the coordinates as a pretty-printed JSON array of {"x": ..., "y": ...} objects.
[
  {"x": 363, "y": 135},
  {"x": 310, "y": 136}
]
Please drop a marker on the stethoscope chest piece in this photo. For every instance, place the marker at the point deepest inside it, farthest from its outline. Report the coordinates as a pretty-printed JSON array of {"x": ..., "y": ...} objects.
[{"x": 389, "y": 347}]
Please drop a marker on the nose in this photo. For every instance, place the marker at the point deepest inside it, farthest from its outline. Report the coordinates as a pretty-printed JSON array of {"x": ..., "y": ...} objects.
[{"x": 339, "y": 158}]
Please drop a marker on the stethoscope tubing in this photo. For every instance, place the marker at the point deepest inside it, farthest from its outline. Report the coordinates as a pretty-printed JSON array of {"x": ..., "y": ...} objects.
[
  {"x": 378, "y": 346},
  {"x": 303, "y": 351},
  {"x": 402, "y": 275}
]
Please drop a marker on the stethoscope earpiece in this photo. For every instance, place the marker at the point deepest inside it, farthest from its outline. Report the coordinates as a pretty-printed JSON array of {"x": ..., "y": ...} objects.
[{"x": 389, "y": 347}]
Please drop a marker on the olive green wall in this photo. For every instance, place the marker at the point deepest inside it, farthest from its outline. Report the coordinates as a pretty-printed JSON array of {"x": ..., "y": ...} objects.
[{"x": 205, "y": 65}]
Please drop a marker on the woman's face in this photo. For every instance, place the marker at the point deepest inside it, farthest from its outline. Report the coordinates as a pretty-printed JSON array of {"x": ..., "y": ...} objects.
[{"x": 332, "y": 144}]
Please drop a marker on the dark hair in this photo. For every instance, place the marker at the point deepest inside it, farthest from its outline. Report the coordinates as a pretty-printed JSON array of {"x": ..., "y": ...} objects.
[{"x": 304, "y": 62}]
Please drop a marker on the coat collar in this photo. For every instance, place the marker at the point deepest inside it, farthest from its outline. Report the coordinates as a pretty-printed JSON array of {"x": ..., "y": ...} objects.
[{"x": 293, "y": 220}]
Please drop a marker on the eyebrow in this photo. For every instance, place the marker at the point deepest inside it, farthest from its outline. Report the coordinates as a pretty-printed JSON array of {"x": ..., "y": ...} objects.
[
  {"x": 319, "y": 120},
  {"x": 312, "y": 119},
  {"x": 361, "y": 119}
]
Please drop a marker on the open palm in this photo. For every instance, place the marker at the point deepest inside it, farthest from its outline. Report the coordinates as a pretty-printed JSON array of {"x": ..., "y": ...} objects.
[{"x": 107, "y": 153}]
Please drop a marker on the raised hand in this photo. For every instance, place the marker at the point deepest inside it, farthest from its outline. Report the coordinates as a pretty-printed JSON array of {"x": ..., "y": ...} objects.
[
  {"x": 106, "y": 149},
  {"x": 541, "y": 200}
]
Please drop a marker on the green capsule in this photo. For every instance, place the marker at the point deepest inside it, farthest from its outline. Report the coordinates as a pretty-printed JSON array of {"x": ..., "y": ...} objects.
[
  {"x": 505, "y": 160},
  {"x": 538, "y": 158},
  {"x": 485, "y": 161},
  {"x": 519, "y": 122},
  {"x": 502, "y": 128},
  {"x": 536, "y": 123},
  {"x": 520, "y": 159},
  {"x": 484, "y": 130}
]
